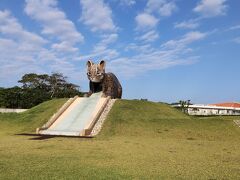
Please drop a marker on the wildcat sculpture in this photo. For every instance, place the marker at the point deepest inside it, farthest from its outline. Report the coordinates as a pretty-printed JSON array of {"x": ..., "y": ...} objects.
[{"x": 101, "y": 81}]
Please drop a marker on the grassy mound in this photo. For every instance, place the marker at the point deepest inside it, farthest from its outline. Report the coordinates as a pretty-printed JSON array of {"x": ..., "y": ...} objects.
[
  {"x": 139, "y": 140},
  {"x": 139, "y": 118},
  {"x": 28, "y": 121}
]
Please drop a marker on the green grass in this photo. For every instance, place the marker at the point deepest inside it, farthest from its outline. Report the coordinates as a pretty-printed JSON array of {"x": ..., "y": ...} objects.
[
  {"x": 28, "y": 121},
  {"x": 140, "y": 140}
]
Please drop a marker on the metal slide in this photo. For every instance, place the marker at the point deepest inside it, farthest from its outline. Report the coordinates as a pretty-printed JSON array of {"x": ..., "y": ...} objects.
[{"x": 78, "y": 118}]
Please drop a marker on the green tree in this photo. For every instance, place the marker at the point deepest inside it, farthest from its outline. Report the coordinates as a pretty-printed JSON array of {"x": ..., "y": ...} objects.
[
  {"x": 33, "y": 81},
  {"x": 2, "y": 97},
  {"x": 10, "y": 97},
  {"x": 184, "y": 105},
  {"x": 61, "y": 88},
  {"x": 37, "y": 88}
]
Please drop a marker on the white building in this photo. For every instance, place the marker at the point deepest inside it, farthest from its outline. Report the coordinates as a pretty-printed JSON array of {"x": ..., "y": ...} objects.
[
  {"x": 7, "y": 110},
  {"x": 213, "y": 109}
]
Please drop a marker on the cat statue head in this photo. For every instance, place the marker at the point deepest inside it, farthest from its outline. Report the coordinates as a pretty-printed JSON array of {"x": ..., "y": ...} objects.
[{"x": 95, "y": 72}]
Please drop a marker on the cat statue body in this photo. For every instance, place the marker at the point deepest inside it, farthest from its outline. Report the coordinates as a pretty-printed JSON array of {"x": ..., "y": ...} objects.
[{"x": 101, "y": 81}]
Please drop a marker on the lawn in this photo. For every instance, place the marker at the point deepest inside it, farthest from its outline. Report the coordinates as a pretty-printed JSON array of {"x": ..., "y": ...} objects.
[{"x": 139, "y": 140}]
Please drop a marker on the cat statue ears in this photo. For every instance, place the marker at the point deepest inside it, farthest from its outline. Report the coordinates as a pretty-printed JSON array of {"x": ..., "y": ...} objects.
[
  {"x": 89, "y": 63},
  {"x": 102, "y": 64}
]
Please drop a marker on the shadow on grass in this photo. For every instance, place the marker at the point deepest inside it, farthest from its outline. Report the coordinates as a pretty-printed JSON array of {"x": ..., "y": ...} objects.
[{"x": 44, "y": 137}]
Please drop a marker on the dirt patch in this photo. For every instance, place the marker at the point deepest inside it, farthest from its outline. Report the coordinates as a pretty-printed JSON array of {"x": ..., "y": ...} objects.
[
  {"x": 190, "y": 138},
  {"x": 237, "y": 122}
]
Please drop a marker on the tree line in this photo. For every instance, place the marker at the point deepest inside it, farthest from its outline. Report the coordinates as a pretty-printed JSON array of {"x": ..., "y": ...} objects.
[{"x": 37, "y": 88}]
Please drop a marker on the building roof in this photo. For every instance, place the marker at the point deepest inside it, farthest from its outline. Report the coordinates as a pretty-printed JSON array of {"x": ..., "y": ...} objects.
[{"x": 227, "y": 104}]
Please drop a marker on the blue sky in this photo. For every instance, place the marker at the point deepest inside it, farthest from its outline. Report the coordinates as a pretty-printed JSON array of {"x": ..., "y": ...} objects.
[{"x": 163, "y": 50}]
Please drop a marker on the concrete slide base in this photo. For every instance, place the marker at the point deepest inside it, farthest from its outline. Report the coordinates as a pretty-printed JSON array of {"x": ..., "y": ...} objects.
[{"x": 78, "y": 118}]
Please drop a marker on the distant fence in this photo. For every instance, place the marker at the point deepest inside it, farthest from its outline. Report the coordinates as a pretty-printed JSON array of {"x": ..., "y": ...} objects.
[{"x": 7, "y": 110}]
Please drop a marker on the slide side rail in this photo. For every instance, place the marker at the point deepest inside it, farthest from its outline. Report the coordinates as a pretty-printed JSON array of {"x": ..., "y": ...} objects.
[
  {"x": 56, "y": 115},
  {"x": 88, "y": 130}
]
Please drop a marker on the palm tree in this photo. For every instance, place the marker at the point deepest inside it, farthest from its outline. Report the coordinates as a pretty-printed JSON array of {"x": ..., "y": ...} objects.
[{"x": 184, "y": 105}]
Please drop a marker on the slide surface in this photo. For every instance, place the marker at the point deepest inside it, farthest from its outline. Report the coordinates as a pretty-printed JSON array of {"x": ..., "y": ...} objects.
[{"x": 77, "y": 117}]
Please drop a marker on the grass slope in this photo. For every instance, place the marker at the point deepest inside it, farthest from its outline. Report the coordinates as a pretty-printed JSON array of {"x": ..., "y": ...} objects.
[
  {"x": 139, "y": 140},
  {"x": 28, "y": 121}
]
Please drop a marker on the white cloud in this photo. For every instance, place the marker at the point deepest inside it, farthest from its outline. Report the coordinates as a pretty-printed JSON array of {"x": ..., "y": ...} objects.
[
  {"x": 102, "y": 50},
  {"x": 211, "y": 8},
  {"x": 162, "y": 7},
  {"x": 54, "y": 22},
  {"x": 234, "y": 27},
  {"x": 106, "y": 54},
  {"x": 18, "y": 44},
  {"x": 146, "y": 21},
  {"x": 190, "y": 24},
  {"x": 16, "y": 59},
  {"x": 237, "y": 40},
  {"x": 150, "y": 36},
  {"x": 185, "y": 40},
  {"x": 193, "y": 36},
  {"x": 172, "y": 53},
  {"x": 10, "y": 27},
  {"x": 64, "y": 47},
  {"x": 144, "y": 62},
  {"x": 23, "y": 52},
  {"x": 149, "y": 18},
  {"x": 97, "y": 15},
  {"x": 109, "y": 38},
  {"x": 127, "y": 2},
  {"x": 140, "y": 49}
]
